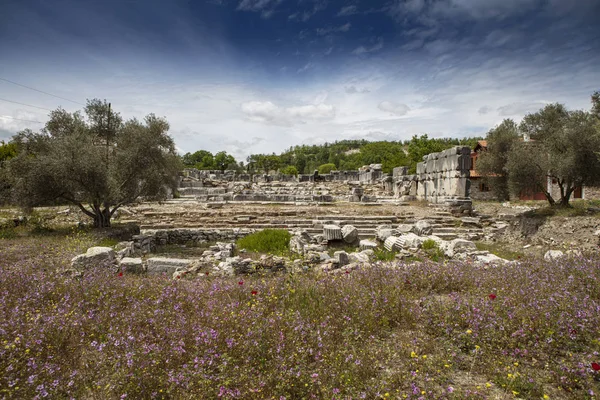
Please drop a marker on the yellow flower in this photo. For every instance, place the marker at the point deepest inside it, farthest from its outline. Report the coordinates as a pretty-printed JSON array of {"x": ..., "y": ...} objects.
[
  {"x": 488, "y": 385},
  {"x": 386, "y": 395},
  {"x": 546, "y": 397},
  {"x": 446, "y": 366},
  {"x": 477, "y": 347},
  {"x": 423, "y": 392},
  {"x": 516, "y": 364},
  {"x": 515, "y": 392},
  {"x": 469, "y": 331},
  {"x": 413, "y": 354},
  {"x": 424, "y": 357}
]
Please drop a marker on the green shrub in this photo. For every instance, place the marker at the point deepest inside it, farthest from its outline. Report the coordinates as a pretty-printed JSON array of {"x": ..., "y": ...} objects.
[
  {"x": 273, "y": 241},
  {"x": 429, "y": 244},
  {"x": 385, "y": 255},
  {"x": 290, "y": 170},
  {"x": 326, "y": 168}
]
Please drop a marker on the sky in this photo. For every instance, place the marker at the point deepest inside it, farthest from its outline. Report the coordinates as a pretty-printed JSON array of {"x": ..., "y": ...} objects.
[{"x": 260, "y": 76}]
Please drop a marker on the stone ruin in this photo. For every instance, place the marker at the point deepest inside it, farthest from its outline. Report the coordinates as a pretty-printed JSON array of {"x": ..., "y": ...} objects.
[{"x": 442, "y": 178}]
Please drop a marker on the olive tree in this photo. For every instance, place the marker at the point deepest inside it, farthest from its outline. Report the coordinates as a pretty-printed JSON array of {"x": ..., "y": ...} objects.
[
  {"x": 563, "y": 150},
  {"x": 492, "y": 163},
  {"x": 93, "y": 160}
]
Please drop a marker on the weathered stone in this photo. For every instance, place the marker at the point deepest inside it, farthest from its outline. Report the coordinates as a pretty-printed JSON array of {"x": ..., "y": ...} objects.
[
  {"x": 341, "y": 258},
  {"x": 382, "y": 232},
  {"x": 95, "y": 257},
  {"x": 332, "y": 232},
  {"x": 297, "y": 244},
  {"x": 404, "y": 228},
  {"x": 552, "y": 255},
  {"x": 485, "y": 259},
  {"x": 358, "y": 258},
  {"x": 163, "y": 265},
  {"x": 350, "y": 234},
  {"x": 459, "y": 246},
  {"x": 367, "y": 244},
  {"x": 422, "y": 228},
  {"x": 409, "y": 241},
  {"x": 390, "y": 243},
  {"x": 131, "y": 265}
]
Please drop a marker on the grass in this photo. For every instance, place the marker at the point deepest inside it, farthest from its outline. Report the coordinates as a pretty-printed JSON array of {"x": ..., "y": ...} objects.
[
  {"x": 382, "y": 254},
  {"x": 272, "y": 241},
  {"x": 397, "y": 330},
  {"x": 501, "y": 250}
]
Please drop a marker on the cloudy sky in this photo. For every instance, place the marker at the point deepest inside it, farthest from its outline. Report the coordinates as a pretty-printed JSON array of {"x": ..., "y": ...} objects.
[{"x": 257, "y": 76}]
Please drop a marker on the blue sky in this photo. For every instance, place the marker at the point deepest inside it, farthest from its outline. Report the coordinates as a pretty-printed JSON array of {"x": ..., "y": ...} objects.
[{"x": 258, "y": 76}]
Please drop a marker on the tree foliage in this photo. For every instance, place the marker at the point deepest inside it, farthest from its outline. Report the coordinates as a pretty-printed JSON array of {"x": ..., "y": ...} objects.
[
  {"x": 492, "y": 163},
  {"x": 563, "y": 151},
  {"x": 93, "y": 160}
]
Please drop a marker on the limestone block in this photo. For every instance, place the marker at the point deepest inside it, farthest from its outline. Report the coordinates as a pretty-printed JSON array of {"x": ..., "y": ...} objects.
[
  {"x": 422, "y": 228},
  {"x": 163, "y": 265},
  {"x": 459, "y": 246},
  {"x": 350, "y": 234},
  {"x": 332, "y": 232},
  {"x": 297, "y": 244},
  {"x": 409, "y": 241},
  {"x": 391, "y": 243},
  {"x": 131, "y": 265},
  {"x": 484, "y": 259},
  {"x": 404, "y": 228},
  {"x": 382, "y": 232},
  {"x": 95, "y": 257},
  {"x": 341, "y": 258},
  {"x": 367, "y": 244}
]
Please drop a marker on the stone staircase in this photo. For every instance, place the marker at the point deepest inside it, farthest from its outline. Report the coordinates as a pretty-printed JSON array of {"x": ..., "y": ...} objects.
[{"x": 444, "y": 225}]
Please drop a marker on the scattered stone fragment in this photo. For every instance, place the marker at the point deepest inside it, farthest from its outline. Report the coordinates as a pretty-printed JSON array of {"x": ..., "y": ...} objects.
[
  {"x": 341, "y": 258},
  {"x": 459, "y": 246},
  {"x": 131, "y": 265},
  {"x": 382, "y": 232},
  {"x": 367, "y": 244},
  {"x": 332, "y": 232},
  {"x": 163, "y": 265},
  {"x": 422, "y": 228},
  {"x": 349, "y": 234},
  {"x": 95, "y": 257},
  {"x": 552, "y": 255}
]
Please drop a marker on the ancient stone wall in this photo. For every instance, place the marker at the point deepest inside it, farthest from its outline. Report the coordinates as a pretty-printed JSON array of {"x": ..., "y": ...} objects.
[
  {"x": 147, "y": 241},
  {"x": 442, "y": 178}
]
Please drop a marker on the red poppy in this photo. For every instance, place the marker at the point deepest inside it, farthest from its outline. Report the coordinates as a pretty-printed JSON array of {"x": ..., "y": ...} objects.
[
  {"x": 120, "y": 273},
  {"x": 178, "y": 276},
  {"x": 347, "y": 272},
  {"x": 492, "y": 296},
  {"x": 596, "y": 366},
  {"x": 206, "y": 273},
  {"x": 254, "y": 293},
  {"x": 240, "y": 283},
  {"x": 407, "y": 282}
]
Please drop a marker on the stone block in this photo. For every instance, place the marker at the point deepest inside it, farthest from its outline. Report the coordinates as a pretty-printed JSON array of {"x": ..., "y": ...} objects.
[
  {"x": 367, "y": 244},
  {"x": 131, "y": 265},
  {"x": 95, "y": 257},
  {"x": 332, "y": 232},
  {"x": 163, "y": 265},
  {"x": 349, "y": 234}
]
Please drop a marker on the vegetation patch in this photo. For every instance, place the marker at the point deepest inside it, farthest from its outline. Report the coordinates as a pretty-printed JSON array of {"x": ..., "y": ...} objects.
[
  {"x": 501, "y": 250},
  {"x": 272, "y": 241}
]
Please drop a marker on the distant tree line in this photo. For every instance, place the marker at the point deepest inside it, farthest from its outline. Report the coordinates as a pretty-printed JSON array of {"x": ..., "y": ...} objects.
[{"x": 341, "y": 155}]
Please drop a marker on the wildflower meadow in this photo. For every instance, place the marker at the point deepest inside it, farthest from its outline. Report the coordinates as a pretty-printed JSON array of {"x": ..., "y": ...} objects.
[{"x": 395, "y": 330}]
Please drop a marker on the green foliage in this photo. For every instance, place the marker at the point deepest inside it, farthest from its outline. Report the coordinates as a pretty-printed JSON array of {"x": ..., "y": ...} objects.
[
  {"x": 290, "y": 170},
  {"x": 97, "y": 160},
  {"x": 223, "y": 160},
  {"x": 272, "y": 241},
  {"x": 201, "y": 159},
  {"x": 382, "y": 254},
  {"x": 565, "y": 149},
  {"x": 326, "y": 168},
  {"x": 429, "y": 244},
  {"x": 7, "y": 151},
  {"x": 492, "y": 163},
  {"x": 500, "y": 250}
]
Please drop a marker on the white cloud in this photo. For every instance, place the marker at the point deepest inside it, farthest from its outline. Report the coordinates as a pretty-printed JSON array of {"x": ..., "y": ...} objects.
[
  {"x": 347, "y": 10},
  {"x": 342, "y": 28},
  {"x": 363, "y": 50},
  {"x": 256, "y": 5},
  {"x": 269, "y": 113},
  {"x": 393, "y": 108}
]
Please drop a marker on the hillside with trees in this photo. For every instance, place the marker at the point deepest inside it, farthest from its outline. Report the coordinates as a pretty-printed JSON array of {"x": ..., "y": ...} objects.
[{"x": 341, "y": 155}]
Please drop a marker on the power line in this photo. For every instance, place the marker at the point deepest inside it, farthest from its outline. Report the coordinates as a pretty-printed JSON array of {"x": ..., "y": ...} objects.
[
  {"x": 41, "y": 91},
  {"x": 19, "y": 119},
  {"x": 28, "y": 105}
]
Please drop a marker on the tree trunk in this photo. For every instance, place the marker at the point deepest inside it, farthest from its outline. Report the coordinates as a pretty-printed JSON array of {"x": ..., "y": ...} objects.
[
  {"x": 564, "y": 201},
  {"x": 102, "y": 218}
]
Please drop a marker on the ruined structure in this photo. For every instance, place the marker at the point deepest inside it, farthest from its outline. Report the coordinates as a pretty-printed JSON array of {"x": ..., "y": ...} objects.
[{"x": 442, "y": 178}]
